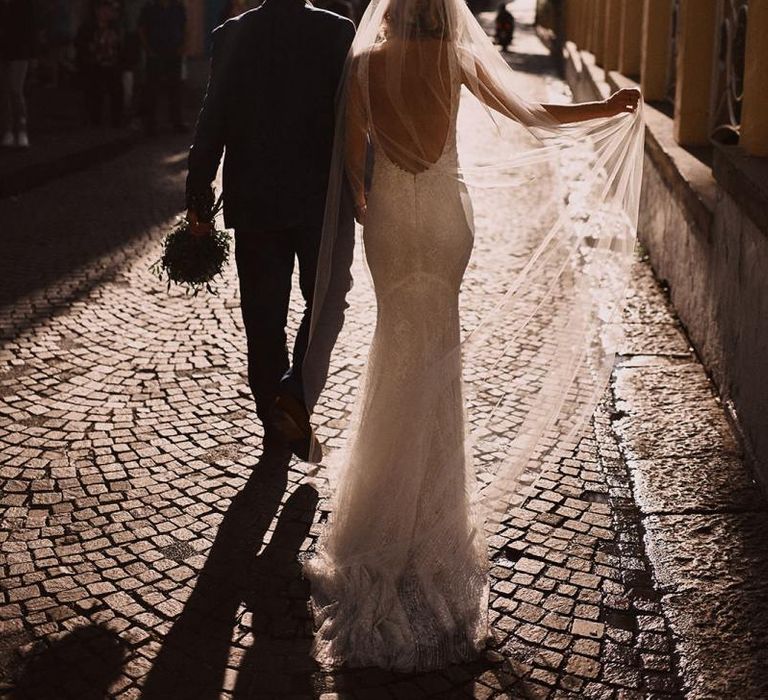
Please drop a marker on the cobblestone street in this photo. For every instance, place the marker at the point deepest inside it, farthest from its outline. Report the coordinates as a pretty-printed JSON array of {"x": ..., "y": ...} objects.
[{"x": 146, "y": 551}]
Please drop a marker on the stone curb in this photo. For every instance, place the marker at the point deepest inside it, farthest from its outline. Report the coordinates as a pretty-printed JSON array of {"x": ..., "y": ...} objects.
[{"x": 35, "y": 174}]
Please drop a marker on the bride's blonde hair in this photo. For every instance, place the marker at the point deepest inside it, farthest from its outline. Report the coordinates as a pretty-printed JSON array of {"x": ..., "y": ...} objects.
[{"x": 418, "y": 19}]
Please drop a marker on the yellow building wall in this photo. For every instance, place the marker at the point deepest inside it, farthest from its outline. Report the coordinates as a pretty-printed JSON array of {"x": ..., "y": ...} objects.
[
  {"x": 631, "y": 34},
  {"x": 655, "y": 48},
  {"x": 612, "y": 34},
  {"x": 695, "y": 55}
]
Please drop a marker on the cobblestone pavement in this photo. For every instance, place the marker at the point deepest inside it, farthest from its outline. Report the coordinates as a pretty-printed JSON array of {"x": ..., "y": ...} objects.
[{"x": 148, "y": 552}]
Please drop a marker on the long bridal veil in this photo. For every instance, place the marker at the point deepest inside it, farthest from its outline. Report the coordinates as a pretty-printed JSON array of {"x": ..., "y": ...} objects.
[
  {"x": 548, "y": 338},
  {"x": 538, "y": 347}
]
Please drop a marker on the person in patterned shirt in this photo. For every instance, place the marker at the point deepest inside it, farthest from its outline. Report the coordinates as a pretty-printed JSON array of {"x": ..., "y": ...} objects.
[
  {"x": 162, "y": 28},
  {"x": 99, "y": 57}
]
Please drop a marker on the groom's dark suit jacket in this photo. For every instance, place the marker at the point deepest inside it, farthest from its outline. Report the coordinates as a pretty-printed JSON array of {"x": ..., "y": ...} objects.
[{"x": 270, "y": 103}]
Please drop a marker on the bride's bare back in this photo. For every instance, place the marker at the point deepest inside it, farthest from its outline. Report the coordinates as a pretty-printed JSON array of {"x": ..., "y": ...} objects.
[{"x": 411, "y": 93}]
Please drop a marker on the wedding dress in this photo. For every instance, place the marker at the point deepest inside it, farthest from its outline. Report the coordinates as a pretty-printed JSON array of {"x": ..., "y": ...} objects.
[
  {"x": 402, "y": 584},
  {"x": 400, "y": 575}
]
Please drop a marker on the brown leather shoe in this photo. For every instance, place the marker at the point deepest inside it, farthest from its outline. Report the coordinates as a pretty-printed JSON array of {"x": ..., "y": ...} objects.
[{"x": 290, "y": 419}]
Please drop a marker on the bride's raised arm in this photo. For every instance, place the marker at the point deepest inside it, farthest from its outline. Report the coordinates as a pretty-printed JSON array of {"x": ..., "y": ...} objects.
[
  {"x": 489, "y": 90},
  {"x": 624, "y": 100}
]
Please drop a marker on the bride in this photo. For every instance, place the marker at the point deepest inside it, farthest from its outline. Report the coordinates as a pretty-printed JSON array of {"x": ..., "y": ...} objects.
[{"x": 400, "y": 576}]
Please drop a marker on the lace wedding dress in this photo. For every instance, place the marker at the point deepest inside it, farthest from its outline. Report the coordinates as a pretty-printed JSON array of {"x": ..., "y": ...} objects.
[{"x": 399, "y": 578}]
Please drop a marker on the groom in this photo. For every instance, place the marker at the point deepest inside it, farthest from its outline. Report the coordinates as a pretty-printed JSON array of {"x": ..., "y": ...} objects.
[{"x": 270, "y": 103}]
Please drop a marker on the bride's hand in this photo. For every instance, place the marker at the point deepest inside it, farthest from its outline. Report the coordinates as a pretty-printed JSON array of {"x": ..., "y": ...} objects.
[
  {"x": 360, "y": 211},
  {"x": 624, "y": 100}
]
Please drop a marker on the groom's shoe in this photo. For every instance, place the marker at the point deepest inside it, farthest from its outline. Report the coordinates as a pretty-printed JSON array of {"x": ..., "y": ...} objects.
[{"x": 290, "y": 419}]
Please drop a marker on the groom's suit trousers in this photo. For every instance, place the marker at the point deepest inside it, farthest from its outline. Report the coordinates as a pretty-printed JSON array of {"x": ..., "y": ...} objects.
[{"x": 265, "y": 263}]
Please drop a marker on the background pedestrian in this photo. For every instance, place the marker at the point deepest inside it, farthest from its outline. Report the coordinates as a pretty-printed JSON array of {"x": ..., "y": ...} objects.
[
  {"x": 100, "y": 62},
  {"x": 162, "y": 28},
  {"x": 18, "y": 41},
  {"x": 131, "y": 59},
  {"x": 56, "y": 34},
  {"x": 505, "y": 26}
]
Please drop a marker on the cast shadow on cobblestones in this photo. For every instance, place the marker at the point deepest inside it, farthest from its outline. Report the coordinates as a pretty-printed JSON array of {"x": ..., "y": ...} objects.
[
  {"x": 80, "y": 665},
  {"x": 211, "y": 637},
  {"x": 279, "y": 658},
  {"x": 533, "y": 63},
  {"x": 473, "y": 679}
]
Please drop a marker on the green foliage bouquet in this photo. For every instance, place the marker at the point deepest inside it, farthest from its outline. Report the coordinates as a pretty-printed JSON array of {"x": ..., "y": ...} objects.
[{"x": 191, "y": 261}]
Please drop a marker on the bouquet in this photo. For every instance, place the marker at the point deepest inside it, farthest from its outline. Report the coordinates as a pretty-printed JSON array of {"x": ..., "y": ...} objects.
[{"x": 194, "y": 261}]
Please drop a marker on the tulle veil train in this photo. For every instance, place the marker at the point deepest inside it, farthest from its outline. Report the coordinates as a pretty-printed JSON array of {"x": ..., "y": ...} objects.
[{"x": 454, "y": 418}]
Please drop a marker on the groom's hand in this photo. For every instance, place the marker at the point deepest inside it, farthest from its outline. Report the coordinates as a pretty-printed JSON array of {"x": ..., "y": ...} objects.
[{"x": 197, "y": 227}]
